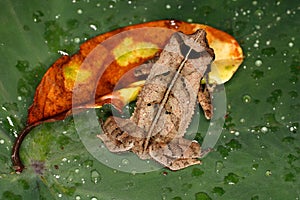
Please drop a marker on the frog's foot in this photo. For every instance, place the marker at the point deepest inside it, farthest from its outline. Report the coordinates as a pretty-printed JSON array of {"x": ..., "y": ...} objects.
[
  {"x": 183, "y": 163},
  {"x": 178, "y": 154}
]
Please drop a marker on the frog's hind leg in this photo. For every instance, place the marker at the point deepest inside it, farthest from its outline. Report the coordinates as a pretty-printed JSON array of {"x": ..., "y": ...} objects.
[
  {"x": 114, "y": 138},
  {"x": 178, "y": 154},
  {"x": 114, "y": 145}
]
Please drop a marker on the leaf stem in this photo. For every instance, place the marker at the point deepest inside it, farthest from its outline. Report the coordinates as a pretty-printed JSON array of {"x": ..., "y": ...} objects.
[{"x": 15, "y": 157}]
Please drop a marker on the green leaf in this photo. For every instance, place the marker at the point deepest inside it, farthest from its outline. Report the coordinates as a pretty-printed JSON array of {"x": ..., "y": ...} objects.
[{"x": 257, "y": 155}]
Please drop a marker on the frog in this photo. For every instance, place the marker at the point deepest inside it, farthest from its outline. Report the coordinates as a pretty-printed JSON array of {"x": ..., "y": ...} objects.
[{"x": 166, "y": 104}]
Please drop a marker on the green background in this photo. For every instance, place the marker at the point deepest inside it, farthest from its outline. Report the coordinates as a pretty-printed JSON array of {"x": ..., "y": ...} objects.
[{"x": 258, "y": 154}]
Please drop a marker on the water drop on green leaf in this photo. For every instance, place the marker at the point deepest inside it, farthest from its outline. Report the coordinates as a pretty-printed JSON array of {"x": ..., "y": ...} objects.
[
  {"x": 231, "y": 179},
  {"x": 219, "y": 166},
  {"x": 268, "y": 173},
  {"x": 37, "y": 16},
  {"x": 255, "y": 166},
  {"x": 246, "y": 98},
  {"x": 95, "y": 176}
]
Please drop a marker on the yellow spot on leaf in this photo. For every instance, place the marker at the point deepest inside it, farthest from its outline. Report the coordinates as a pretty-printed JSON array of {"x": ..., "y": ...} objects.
[
  {"x": 73, "y": 73},
  {"x": 130, "y": 51}
]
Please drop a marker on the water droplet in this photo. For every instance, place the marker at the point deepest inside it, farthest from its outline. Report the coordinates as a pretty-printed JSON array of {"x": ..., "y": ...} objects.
[
  {"x": 93, "y": 26},
  {"x": 77, "y": 197},
  {"x": 255, "y": 166},
  {"x": 125, "y": 162},
  {"x": 77, "y": 40},
  {"x": 246, "y": 98},
  {"x": 264, "y": 129},
  {"x": 258, "y": 63},
  {"x": 268, "y": 173},
  {"x": 95, "y": 176},
  {"x": 10, "y": 121},
  {"x": 168, "y": 6},
  {"x": 133, "y": 172},
  {"x": 219, "y": 166},
  {"x": 79, "y": 11},
  {"x": 88, "y": 163},
  {"x": 291, "y": 44},
  {"x": 37, "y": 16},
  {"x": 63, "y": 53},
  {"x": 259, "y": 13}
]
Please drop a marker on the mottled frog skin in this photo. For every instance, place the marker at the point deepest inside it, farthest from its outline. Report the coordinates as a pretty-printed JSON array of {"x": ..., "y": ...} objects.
[{"x": 166, "y": 104}]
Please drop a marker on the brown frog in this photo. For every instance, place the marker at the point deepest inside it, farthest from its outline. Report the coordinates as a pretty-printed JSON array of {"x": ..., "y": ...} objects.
[{"x": 166, "y": 104}]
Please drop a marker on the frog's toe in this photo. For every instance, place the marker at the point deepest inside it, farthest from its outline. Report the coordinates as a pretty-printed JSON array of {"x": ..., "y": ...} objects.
[{"x": 183, "y": 163}]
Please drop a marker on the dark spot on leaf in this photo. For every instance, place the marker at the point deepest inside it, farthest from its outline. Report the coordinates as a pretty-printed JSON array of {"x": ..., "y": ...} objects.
[
  {"x": 275, "y": 95},
  {"x": 22, "y": 65},
  {"x": 7, "y": 195},
  {"x": 257, "y": 74},
  {"x": 223, "y": 151},
  {"x": 234, "y": 145},
  {"x": 289, "y": 177},
  {"x": 202, "y": 196},
  {"x": 24, "y": 184},
  {"x": 256, "y": 197},
  {"x": 218, "y": 190},
  {"x": 197, "y": 172},
  {"x": 38, "y": 166},
  {"x": 270, "y": 51},
  {"x": 177, "y": 198},
  {"x": 292, "y": 158},
  {"x": 293, "y": 94}
]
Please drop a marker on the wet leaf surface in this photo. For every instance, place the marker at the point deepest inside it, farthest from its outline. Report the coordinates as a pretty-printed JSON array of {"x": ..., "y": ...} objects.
[{"x": 261, "y": 134}]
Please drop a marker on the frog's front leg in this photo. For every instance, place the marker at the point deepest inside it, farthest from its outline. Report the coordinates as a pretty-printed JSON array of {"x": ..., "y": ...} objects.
[
  {"x": 178, "y": 154},
  {"x": 205, "y": 99}
]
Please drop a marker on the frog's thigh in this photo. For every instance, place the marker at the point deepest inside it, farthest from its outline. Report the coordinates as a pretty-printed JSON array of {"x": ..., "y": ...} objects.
[
  {"x": 178, "y": 154},
  {"x": 114, "y": 146}
]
